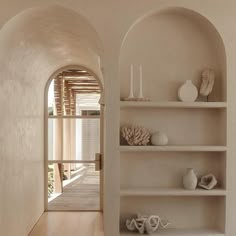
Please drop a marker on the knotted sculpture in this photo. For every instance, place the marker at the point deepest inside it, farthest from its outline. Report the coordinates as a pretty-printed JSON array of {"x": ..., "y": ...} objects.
[
  {"x": 146, "y": 224},
  {"x": 208, "y": 182}
]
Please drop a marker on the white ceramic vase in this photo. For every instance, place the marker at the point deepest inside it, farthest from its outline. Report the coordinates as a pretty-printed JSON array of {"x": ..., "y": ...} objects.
[
  {"x": 188, "y": 92},
  {"x": 159, "y": 139},
  {"x": 190, "y": 179}
]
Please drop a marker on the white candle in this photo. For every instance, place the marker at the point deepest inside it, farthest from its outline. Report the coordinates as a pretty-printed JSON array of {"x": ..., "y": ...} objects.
[
  {"x": 131, "y": 93},
  {"x": 140, "y": 81}
]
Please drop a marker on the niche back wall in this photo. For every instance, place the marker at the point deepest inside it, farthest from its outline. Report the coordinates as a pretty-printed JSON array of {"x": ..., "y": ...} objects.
[{"x": 172, "y": 45}]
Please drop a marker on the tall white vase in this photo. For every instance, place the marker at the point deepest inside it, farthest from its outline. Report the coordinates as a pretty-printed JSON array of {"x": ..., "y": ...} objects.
[
  {"x": 188, "y": 92},
  {"x": 190, "y": 179}
]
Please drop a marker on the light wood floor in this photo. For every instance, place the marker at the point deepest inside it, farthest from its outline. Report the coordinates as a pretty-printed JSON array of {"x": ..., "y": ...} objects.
[
  {"x": 81, "y": 194},
  {"x": 69, "y": 224}
]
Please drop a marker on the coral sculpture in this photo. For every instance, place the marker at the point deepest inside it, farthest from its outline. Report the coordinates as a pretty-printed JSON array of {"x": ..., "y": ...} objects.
[
  {"x": 135, "y": 135},
  {"x": 145, "y": 224}
]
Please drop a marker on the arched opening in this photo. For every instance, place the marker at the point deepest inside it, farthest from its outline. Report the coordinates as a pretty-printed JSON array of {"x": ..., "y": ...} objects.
[
  {"x": 33, "y": 45},
  {"x": 74, "y": 127}
]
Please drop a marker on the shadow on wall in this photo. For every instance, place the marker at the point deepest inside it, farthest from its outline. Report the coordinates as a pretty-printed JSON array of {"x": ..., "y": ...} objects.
[{"x": 33, "y": 45}]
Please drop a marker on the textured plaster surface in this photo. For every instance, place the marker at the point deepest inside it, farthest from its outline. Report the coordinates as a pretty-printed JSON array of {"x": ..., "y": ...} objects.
[{"x": 33, "y": 46}]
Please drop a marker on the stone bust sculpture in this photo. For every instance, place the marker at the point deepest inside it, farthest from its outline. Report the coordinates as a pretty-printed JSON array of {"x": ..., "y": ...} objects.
[{"x": 208, "y": 79}]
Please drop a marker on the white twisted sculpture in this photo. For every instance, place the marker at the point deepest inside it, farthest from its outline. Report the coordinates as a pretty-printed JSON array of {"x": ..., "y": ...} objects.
[
  {"x": 148, "y": 224},
  {"x": 208, "y": 181}
]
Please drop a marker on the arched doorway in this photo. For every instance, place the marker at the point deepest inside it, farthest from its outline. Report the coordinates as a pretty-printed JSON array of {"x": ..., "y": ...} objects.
[
  {"x": 74, "y": 125},
  {"x": 33, "y": 45}
]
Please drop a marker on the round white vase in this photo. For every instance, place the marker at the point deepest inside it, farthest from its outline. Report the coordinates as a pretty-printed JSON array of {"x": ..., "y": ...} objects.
[
  {"x": 188, "y": 92},
  {"x": 159, "y": 139},
  {"x": 190, "y": 179}
]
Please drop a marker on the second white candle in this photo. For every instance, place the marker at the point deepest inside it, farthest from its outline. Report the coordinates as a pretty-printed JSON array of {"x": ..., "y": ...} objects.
[{"x": 140, "y": 81}]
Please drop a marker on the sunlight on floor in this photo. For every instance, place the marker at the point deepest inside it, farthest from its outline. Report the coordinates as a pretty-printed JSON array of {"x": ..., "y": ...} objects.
[
  {"x": 82, "y": 192},
  {"x": 65, "y": 183}
]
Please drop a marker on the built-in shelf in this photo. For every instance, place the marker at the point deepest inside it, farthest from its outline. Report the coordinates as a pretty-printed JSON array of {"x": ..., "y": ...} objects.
[
  {"x": 149, "y": 192},
  {"x": 181, "y": 232},
  {"x": 169, "y": 148},
  {"x": 197, "y": 131},
  {"x": 131, "y": 104}
]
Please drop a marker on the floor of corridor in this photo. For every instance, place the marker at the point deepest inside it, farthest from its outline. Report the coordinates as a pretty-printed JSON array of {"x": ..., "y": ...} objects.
[
  {"x": 82, "y": 193},
  {"x": 68, "y": 224}
]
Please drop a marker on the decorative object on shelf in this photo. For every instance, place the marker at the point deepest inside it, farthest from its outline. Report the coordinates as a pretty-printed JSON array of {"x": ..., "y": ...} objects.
[
  {"x": 135, "y": 135},
  {"x": 136, "y": 99},
  {"x": 208, "y": 181},
  {"x": 208, "y": 80},
  {"x": 190, "y": 179},
  {"x": 159, "y": 139},
  {"x": 131, "y": 96},
  {"x": 146, "y": 224},
  {"x": 188, "y": 92},
  {"x": 131, "y": 88},
  {"x": 140, "y": 96}
]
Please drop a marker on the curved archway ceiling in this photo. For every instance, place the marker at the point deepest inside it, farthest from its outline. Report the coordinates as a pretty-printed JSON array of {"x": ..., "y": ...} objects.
[
  {"x": 68, "y": 84},
  {"x": 42, "y": 40}
]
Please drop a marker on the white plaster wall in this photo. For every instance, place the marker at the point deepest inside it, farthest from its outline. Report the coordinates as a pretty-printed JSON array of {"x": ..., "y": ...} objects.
[{"x": 111, "y": 19}]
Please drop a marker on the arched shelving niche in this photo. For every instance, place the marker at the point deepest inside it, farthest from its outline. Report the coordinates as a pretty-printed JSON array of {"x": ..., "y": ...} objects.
[{"x": 174, "y": 45}]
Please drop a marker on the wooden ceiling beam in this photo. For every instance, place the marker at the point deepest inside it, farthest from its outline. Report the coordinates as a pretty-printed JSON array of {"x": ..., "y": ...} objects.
[
  {"x": 83, "y": 81},
  {"x": 85, "y": 88},
  {"x": 83, "y": 84},
  {"x": 73, "y": 74},
  {"x": 86, "y": 91}
]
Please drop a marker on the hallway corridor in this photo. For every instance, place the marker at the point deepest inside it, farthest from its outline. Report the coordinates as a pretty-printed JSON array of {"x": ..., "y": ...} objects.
[{"x": 81, "y": 193}]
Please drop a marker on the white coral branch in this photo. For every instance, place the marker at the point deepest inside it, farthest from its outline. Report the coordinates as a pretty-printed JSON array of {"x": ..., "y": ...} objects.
[{"x": 135, "y": 135}]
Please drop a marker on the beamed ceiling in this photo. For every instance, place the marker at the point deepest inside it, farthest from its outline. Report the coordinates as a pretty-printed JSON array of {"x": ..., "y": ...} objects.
[{"x": 69, "y": 83}]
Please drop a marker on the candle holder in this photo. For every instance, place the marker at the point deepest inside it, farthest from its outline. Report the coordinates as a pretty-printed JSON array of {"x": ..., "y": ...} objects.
[
  {"x": 131, "y": 88},
  {"x": 137, "y": 99},
  {"x": 131, "y": 96}
]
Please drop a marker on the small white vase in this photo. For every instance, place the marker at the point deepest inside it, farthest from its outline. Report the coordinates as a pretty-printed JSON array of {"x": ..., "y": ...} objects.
[
  {"x": 159, "y": 139},
  {"x": 190, "y": 179},
  {"x": 188, "y": 92}
]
